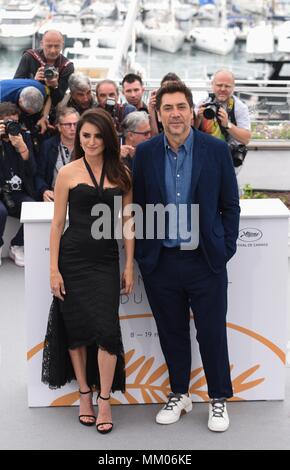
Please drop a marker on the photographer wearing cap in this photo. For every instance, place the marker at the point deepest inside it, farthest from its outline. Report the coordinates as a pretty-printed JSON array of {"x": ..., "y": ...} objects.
[
  {"x": 107, "y": 95},
  {"x": 226, "y": 117},
  {"x": 47, "y": 65},
  {"x": 17, "y": 169}
]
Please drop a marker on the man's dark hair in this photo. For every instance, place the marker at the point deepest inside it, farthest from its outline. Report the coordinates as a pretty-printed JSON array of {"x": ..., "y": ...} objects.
[
  {"x": 131, "y": 78},
  {"x": 8, "y": 109},
  {"x": 170, "y": 77},
  {"x": 173, "y": 87}
]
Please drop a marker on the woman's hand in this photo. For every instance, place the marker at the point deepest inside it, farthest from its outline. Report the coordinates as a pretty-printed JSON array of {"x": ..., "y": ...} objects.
[
  {"x": 128, "y": 280},
  {"x": 57, "y": 285}
]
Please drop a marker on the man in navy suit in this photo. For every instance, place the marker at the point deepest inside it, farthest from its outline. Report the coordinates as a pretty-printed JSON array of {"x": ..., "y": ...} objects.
[{"x": 185, "y": 166}]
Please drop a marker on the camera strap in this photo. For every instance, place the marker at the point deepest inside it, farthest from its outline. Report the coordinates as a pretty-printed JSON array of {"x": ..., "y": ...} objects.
[
  {"x": 61, "y": 62},
  {"x": 232, "y": 118},
  {"x": 64, "y": 154}
]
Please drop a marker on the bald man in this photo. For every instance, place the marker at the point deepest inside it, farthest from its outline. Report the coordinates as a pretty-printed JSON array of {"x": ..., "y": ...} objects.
[
  {"x": 231, "y": 121},
  {"x": 34, "y": 62}
]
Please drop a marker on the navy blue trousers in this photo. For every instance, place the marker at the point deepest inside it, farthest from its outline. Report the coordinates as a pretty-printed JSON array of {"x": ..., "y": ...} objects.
[{"x": 182, "y": 280}]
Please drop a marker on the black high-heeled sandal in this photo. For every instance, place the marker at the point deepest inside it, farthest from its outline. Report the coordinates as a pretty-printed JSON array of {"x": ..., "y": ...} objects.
[
  {"x": 87, "y": 423},
  {"x": 104, "y": 431}
]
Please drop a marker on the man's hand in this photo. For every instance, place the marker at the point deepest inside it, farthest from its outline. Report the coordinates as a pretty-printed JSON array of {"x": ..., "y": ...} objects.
[
  {"x": 223, "y": 117},
  {"x": 152, "y": 101},
  {"x": 127, "y": 150},
  {"x": 18, "y": 142},
  {"x": 2, "y": 128},
  {"x": 39, "y": 74},
  {"x": 44, "y": 124},
  {"x": 53, "y": 82},
  {"x": 48, "y": 196}
]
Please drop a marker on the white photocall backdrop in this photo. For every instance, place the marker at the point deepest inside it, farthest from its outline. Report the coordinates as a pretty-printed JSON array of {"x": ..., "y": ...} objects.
[{"x": 256, "y": 319}]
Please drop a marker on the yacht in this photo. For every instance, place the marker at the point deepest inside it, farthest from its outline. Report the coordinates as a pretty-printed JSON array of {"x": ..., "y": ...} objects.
[
  {"x": 160, "y": 31},
  {"x": 19, "y": 22},
  {"x": 216, "y": 40}
]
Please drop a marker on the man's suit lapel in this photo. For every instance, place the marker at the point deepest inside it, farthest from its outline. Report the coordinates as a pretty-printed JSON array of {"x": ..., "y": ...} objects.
[
  {"x": 159, "y": 165},
  {"x": 199, "y": 155}
]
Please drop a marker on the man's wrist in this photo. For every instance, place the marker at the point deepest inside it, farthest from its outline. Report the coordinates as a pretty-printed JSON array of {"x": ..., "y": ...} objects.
[
  {"x": 229, "y": 125},
  {"x": 23, "y": 150}
]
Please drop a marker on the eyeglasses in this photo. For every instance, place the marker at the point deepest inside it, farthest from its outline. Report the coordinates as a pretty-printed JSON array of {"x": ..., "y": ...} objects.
[
  {"x": 142, "y": 133},
  {"x": 68, "y": 124}
]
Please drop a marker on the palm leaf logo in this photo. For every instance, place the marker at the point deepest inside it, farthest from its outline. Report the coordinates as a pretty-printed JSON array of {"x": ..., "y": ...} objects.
[{"x": 153, "y": 384}]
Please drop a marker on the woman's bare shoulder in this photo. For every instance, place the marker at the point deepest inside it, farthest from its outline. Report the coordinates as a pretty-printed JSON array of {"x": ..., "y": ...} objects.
[{"x": 70, "y": 168}]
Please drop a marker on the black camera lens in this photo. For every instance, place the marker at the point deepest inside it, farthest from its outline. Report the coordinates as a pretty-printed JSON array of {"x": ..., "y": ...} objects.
[
  {"x": 50, "y": 72},
  {"x": 210, "y": 111},
  {"x": 12, "y": 127}
]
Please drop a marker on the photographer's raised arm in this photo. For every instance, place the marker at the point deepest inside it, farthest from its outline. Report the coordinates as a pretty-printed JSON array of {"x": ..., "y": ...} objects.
[
  {"x": 199, "y": 115},
  {"x": 19, "y": 144},
  {"x": 242, "y": 135},
  {"x": 43, "y": 121}
]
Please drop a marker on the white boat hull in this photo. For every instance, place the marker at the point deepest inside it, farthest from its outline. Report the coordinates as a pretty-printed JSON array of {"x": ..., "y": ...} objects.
[
  {"x": 214, "y": 40},
  {"x": 167, "y": 41}
]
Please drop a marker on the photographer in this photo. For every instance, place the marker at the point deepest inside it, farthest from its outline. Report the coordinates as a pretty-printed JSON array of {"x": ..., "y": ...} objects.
[
  {"x": 47, "y": 65},
  {"x": 17, "y": 169},
  {"x": 226, "y": 117},
  {"x": 80, "y": 96},
  {"x": 31, "y": 97},
  {"x": 107, "y": 95},
  {"x": 133, "y": 90}
]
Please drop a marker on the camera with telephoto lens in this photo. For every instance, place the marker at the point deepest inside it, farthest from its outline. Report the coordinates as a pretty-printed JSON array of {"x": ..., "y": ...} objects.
[
  {"x": 50, "y": 72},
  {"x": 238, "y": 153},
  {"x": 211, "y": 108},
  {"x": 5, "y": 195}
]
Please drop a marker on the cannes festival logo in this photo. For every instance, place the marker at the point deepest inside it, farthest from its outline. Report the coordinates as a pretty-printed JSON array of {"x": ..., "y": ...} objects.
[{"x": 250, "y": 234}]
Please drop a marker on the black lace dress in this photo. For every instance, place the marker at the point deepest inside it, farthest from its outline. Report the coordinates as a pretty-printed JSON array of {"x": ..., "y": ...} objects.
[{"x": 88, "y": 316}]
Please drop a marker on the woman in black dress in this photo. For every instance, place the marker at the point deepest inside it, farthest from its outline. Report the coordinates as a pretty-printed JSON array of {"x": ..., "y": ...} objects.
[{"x": 84, "y": 271}]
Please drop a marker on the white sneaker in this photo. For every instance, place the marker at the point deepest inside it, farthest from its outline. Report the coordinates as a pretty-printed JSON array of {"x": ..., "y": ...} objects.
[
  {"x": 176, "y": 405},
  {"x": 218, "y": 418},
  {"x": 1, "y": 247},
  {"x": 17, "y": 254}
]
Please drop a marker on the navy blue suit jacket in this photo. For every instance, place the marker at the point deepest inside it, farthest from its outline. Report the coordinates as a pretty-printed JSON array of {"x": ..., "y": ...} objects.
[
  {"x": 213, "y": 187},
  {"x": 46, "y": 163}
]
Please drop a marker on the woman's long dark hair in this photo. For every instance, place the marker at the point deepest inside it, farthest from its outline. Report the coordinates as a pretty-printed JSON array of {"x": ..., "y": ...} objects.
[{"x": 115, "y": 170}]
